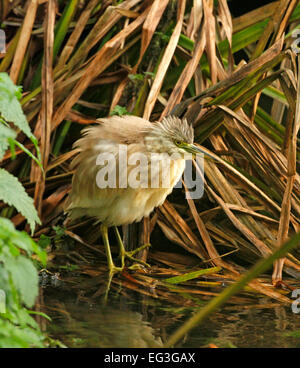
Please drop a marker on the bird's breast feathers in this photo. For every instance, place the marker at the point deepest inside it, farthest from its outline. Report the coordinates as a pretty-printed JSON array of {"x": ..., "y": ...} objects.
[{"x": 145, "y": 187}]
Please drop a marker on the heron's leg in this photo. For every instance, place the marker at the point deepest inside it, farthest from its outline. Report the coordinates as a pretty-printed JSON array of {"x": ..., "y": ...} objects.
[
  {"x": 111, "y": 266},
  {"x": 107, "y": 289},
  {"x": 129, "y": 255},
  {"x": 121, "y": 246}
]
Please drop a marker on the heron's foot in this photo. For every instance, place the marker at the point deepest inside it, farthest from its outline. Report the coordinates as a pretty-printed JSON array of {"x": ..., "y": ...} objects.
[
  {"x": 114, "y": 269},
  {"x": 138, "y": 262},
  {"x": 138, "y": 267}
]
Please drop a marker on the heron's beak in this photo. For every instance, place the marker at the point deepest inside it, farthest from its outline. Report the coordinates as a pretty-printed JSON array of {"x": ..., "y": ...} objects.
[{"x": 191, "y": 148}]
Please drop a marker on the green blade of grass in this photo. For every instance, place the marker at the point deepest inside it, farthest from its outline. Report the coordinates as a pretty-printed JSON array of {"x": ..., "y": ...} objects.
[{"x": 192, "y": 275}]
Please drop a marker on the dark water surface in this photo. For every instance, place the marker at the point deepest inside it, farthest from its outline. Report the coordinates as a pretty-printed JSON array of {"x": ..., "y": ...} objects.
[{"x": 130, "y": 319}]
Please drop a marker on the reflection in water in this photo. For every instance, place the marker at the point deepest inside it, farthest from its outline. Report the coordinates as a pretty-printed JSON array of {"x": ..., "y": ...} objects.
[
  {"x": 102, "y": 327},
  {"x": 133, "y": 321},
  {"x": 249, "y": 327},
  {"x": 111, "y": 328}
]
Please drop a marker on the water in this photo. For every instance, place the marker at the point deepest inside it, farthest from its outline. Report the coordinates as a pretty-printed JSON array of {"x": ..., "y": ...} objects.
[{"x": 129, "y": 319}]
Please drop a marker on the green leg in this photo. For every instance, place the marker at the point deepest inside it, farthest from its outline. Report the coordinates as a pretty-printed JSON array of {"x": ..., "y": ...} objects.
[
  {"x": 129, "y": 255},
  {"x": 111, "y": 266},
  {"x": 107, "y": 289}
]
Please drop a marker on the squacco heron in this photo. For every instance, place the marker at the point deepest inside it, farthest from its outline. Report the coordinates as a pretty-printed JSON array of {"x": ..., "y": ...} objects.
[{"x": 102, "y": 151}]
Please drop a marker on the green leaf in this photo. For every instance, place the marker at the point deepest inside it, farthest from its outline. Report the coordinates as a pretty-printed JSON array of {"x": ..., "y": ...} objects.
[
  {"x": 13, "y": 193},
  {"x": 10, "y": 107},
  {"x": 5, "y": 134},
  {"x": 7, "y": 226},
  {"x": 19, "y": 281},
  {"x": 119, "y": 110},
  {"x": 20, "y": 239},
  {"x": 275, "y": 94},
  {"x": 9, "y": 88},
  {"x": 25, "y": 278},
  {"x": 24, "y": 319},
  {"x": 134, "y": 77},
  {"x": 16, "y": 337},
  {"x": 44, "y": 241},
  {"x": 40, "y": 253},
  {"x": 40, "y": 314},
  {"x": 192, "y": 275},
  {"x": 9, "y": 234}
]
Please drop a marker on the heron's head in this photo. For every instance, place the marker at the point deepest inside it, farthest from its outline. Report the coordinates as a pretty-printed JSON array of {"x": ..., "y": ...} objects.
[{"x": 172, "y": 135}]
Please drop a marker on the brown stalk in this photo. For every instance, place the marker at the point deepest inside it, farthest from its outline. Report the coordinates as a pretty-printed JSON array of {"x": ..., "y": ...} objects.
[
  {"x": 192, "y": 243},
  {"x": 273, "y": 26},
  {"x": 47, "y": 101},
  {"x": 108, "y": 19},
  {"x": 213, "y": 253},
  {"x": 73, "y": 39},
  {"x": 95, "y": 67},
  {"x": 195, "y": 19},
  {"x": 261, "y": 246},
  {"x": 210, "y": 31},
  {"x": 254, "y": 16},
  {"x": 24, "y": 39},
  {"x": 118, "y": 94},
  {"x": 239, "y": 74},
  {"x": 234, "y": 207},
  {"x": 231, "y": 195},
  {"x": 151, "y": 22},
  {"x": 226, "y": 20},
  {"x": 285, "y": 215},
  {"x": 165, "y": 62},
  {"x": 186, "y": 76},
  {"x": 281, "y": 27}
]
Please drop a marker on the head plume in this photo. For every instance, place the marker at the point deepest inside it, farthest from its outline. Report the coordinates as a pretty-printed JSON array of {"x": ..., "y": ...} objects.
[{"x": 174, "y": 128}]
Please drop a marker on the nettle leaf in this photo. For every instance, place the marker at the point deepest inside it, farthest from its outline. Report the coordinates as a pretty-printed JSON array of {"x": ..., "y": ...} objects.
[
  {"x": 24, "y": 277},
  {"x": 10, "y": 107},
  {"x": 18, "y": 238},
  {"x": 12, "y": 337},
  {"x": 5, "y": 134},
  {"x": 119, "y": 110},
  {"x": 25, "y": 319},
  {"x": 13, "y": 193},
  {"x": 8, "y": 87}
]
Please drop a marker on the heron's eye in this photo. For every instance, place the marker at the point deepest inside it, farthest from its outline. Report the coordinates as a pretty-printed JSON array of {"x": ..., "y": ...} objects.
[{"x": 178, "y": 143}]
